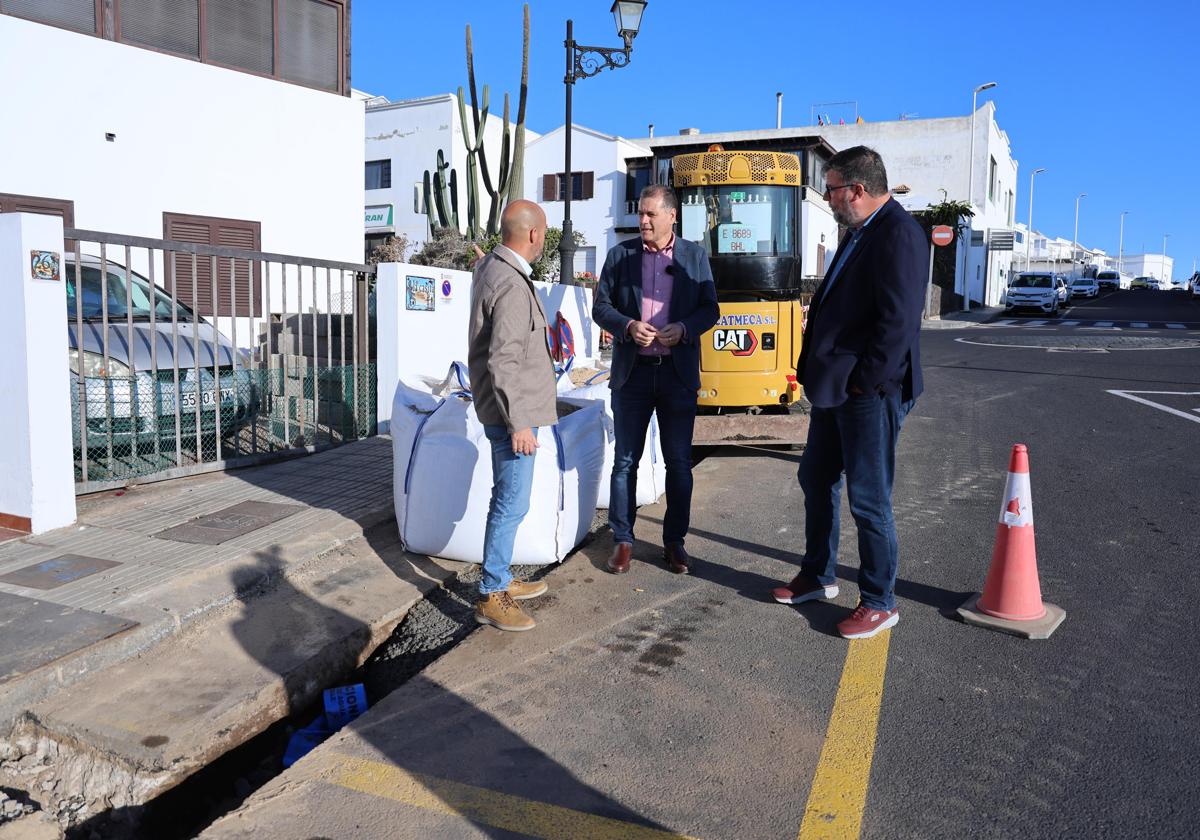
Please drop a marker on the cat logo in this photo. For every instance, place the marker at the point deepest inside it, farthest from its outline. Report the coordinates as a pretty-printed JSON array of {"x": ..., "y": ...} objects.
[{"x": 738, "y": 342}]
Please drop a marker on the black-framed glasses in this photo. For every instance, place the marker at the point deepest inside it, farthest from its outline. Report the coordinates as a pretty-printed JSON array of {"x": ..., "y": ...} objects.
[{"x": 829, "y": 189}]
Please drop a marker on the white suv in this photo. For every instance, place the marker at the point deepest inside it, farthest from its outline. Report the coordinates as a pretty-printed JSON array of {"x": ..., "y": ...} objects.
[{"x": 1043, "y": 291}]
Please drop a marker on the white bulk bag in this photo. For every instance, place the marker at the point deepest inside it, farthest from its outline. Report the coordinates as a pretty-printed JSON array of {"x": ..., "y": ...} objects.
[
  {"x": 442, "y": 475},
  {"x": 651, "y": 470}
]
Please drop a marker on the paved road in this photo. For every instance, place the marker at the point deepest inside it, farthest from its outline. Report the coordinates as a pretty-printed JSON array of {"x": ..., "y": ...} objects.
[{"x": 648, "y": 704}]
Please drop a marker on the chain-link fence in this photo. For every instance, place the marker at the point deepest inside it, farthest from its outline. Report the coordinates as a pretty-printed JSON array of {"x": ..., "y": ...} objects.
[{"x": 132, "y": 429}]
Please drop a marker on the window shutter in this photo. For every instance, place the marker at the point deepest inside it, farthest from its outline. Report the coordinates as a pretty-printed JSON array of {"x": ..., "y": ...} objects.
[
  {"x": 549, "y": 188},
  {"x": 241, "y": 33},
  {"x": 228, "y": 233},
  {"x": 172, "y": 25},
  {"x": 589, "y": 184},
  {"x": 199, "y": 232},
  {"x": 309, "y": 43}
]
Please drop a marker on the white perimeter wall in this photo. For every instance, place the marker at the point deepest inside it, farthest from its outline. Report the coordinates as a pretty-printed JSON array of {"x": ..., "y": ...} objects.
[{"x": 425, "y": 343}]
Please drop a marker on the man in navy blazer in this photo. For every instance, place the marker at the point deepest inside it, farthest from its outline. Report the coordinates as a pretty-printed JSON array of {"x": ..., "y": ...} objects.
[
  {"x": 861, "y": 370},
  {"x": 656, "y": 296}
]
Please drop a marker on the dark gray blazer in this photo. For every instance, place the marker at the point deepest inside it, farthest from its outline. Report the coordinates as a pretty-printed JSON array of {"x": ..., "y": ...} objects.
[{"x": 693, "y": 304}]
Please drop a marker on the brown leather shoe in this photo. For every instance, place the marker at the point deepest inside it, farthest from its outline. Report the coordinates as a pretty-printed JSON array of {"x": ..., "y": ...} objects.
[
  {"x": 619, "y": 562},
  {"x": 677, "y": 559}
]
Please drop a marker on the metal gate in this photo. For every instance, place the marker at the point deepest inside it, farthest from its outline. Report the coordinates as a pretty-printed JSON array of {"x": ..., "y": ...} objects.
[{"x": 187, "y": 358}]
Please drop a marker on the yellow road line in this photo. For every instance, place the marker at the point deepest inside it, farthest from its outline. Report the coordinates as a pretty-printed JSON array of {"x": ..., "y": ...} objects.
[
  {"x": 839, "y": 788},
  {"x": 500, "y": 810}
]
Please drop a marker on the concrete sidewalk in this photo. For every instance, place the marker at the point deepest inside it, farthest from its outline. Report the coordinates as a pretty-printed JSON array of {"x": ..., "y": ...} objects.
[
  {"x": 646, "y": 705},
  {"x": 245, "y": 617},
  {"x": 959, "y": 320}
]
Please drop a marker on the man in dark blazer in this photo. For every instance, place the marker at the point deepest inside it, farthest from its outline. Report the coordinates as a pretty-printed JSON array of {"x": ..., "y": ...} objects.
[
  {"x": 656, "y": 296},
  {"x": 861, "y": 370}
]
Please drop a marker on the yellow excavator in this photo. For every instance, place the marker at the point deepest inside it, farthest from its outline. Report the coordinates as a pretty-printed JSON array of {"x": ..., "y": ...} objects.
[{"x": 743, "y": 207}]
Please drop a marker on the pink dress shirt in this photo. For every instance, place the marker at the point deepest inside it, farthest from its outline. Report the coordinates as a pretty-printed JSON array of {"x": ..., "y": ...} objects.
[{"x": 656, "y": 293}]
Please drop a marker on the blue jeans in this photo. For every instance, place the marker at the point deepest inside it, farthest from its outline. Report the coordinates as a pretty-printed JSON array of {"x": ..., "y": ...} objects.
[
  {"x": 857, "y": 438},
  {"x": 650, "y": 389},
  {"x": 512, "y": 482}
]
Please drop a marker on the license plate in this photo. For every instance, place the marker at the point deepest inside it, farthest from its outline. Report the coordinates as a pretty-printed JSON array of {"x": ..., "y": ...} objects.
[{"x": 187, "y": 400}]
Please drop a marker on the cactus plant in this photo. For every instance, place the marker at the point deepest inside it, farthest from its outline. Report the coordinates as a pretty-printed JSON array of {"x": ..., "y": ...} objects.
[
  {"x": 507, "y": 186},
  {"x": 516, "y": 180},
  {"x": 441, "y": 195},
  {"x": 474, "y": 154}
]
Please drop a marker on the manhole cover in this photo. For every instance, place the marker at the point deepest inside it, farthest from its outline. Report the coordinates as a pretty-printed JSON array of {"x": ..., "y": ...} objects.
[
  {"x": 1085, "y": 343},
  {"x": 225, "y": 525},
  {"x": 50, "y": 574}
]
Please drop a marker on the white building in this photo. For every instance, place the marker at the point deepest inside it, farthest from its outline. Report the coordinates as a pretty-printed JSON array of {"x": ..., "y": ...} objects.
[
  {"x": 926, "y": 162},
  {"x": 1055, "y": 254},
  {"x": 145, "y": 123},
  {"x": 1158, "y": 266},
  {"x": 600, "y": 199},
  {"x": 402, "y": 142}
]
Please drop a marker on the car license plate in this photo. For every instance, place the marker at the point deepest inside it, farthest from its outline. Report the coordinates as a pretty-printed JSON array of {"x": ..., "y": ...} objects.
[{"x": 187, "y": 400}]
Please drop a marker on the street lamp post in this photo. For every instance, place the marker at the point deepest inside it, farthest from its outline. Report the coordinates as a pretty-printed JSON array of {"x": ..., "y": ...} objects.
[
  {"x": 966, "y": 290},
  {"x": 1029, "y": 232},
  {"x": 582, "y": 62},
  {"x": 1166, "y": 236},
  {"x": 1075, "y": 241},
  {"x": 1121, "y": 249}
]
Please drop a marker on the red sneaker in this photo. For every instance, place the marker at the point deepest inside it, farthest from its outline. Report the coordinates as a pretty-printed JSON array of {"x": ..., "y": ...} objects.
[
  {"x": 803, "y": 588},
  {"x": 865, "y": 622}
]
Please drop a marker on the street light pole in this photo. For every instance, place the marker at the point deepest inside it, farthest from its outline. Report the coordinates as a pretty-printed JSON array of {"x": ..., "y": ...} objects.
[
  {"x": 1121, "y": 249},
  {"x": 1075, "y": 240},
  {"x": 1029, "y": 233},
  {"x": 582, "y": 62},
  {"x": 1166, "y": 236},
  {"x": 966, "y": 290}
]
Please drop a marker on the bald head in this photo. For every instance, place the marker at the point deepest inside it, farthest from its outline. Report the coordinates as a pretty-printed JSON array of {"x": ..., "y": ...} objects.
[{"x": 523, "y": 229}]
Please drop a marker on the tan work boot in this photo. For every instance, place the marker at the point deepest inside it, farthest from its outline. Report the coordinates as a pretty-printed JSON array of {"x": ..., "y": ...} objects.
[
  {"x": 501, "y": 611},
  {"x": 521, "y": 590}
]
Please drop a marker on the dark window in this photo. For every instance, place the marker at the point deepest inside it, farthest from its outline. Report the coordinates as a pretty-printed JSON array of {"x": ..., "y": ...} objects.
[
  {"x": 71, "y": 14},
  {"x": 301, "y": 41},
  {"x": 309, "y": 42},
  {"x": 379, "y": 174},
  {"x": 171, "y": 25},
  {"x": 241, "y": 33},
  {"x": 554, "y": 187},
  {"x": 636, "y": 180},
  {"x": 229, "y": 233}
]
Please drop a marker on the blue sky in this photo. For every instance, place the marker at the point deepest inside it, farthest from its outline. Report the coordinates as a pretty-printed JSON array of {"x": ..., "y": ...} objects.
[{"x": 1103, "y": 94}]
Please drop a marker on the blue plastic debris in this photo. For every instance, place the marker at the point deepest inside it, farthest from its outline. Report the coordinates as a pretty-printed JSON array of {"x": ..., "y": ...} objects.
[{"x": 342, "y": 705}]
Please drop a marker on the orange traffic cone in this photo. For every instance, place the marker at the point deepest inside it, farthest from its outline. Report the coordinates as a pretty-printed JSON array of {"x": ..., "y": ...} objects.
[{"x": 1012, "y": 595}]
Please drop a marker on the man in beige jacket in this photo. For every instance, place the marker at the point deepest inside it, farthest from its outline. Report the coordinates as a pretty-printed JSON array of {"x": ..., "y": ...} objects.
[{"x": 512, "y": 384}]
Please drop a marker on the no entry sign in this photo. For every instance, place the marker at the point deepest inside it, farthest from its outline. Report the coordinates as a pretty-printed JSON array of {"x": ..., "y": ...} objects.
[{"x": 942, "y": 235}]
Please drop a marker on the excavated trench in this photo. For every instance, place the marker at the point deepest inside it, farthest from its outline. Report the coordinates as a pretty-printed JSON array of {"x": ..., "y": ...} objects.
[{"x": 432, "y": 627}]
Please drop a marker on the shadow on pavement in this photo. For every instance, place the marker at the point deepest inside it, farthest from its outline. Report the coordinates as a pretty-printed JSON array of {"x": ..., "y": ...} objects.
[{"x": 431, "y": 733}]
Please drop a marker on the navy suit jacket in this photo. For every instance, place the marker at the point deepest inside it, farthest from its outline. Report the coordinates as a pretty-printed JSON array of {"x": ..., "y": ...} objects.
[
  {"x": 866, "y": 332},
  {"x": 693, "y": 304}
]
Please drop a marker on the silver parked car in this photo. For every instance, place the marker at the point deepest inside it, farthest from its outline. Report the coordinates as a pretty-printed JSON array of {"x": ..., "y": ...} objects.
[{"x": 128, "y": 398}]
